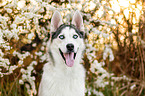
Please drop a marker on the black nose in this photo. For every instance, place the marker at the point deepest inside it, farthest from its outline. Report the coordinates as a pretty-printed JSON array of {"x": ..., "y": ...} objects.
[{"x": 70, "y": 47}]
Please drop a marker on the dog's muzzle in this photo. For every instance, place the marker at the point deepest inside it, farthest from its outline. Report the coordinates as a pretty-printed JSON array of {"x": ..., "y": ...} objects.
[
  {"x": 69, "y": 56},
  {"x": 70, "y": 47}
]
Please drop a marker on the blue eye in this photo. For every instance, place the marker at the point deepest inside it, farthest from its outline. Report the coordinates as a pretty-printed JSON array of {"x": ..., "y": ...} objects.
[
  {"x": 61, "y": 37},
  {"x": 75, "y": 36}
]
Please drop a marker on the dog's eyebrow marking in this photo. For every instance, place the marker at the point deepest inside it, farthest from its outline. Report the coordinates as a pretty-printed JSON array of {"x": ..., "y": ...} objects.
[{"x": 58, "y": 31}]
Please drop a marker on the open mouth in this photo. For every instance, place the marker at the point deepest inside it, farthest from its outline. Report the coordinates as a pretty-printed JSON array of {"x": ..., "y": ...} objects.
[{"x": 68, "y": 57}]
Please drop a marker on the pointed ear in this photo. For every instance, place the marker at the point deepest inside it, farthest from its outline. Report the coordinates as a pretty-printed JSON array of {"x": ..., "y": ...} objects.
[
  {"x": 56, "y": 21},
  {"x": 77, "y": 20}
]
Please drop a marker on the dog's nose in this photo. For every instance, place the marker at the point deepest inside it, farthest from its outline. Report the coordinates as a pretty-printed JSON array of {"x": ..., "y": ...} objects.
[{"x": 70, "y": 47}]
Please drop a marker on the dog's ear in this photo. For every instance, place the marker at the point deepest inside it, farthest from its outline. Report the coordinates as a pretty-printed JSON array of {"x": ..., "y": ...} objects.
[
  {"x": 56, "y": 21},
  {"x": 77, "y": 20}
]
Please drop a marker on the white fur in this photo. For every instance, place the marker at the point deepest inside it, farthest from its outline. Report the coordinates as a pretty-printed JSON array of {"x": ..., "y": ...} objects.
[{"x": 58, "y": 79}]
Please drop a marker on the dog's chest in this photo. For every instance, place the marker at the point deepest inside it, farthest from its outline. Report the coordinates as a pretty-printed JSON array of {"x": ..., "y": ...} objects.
[{"x": 64, "y": 82}]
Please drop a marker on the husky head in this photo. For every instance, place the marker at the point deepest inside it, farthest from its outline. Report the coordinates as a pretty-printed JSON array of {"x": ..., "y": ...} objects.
[{"x": 66, "y": 41}]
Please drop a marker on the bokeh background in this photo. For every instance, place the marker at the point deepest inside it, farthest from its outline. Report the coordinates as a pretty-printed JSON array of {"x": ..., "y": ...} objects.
[{"x": 115, "y": 44}]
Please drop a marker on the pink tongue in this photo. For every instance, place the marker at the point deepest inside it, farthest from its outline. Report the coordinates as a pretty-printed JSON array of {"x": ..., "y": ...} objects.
[{"x": 69, "y": 57}]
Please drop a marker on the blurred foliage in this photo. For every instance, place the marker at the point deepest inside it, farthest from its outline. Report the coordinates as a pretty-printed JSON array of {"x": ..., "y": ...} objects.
[{"x": 111, "y": 28}]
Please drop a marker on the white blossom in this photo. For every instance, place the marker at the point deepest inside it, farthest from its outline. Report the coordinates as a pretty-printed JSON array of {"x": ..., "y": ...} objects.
[
  {"x": 133, "y": 86},
  {"x": 30, "y": 36},
  {"x": 9, "y": 10},
  {"x": 108, "y": 53},
  {"x": 98, "y": 93},
  {"x": 21, "y": 82},
  {"x": 34, "y": 44}
]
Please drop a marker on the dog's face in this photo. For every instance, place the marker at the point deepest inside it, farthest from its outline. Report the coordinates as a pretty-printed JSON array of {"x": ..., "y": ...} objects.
[{"x": 67, "y": 42}]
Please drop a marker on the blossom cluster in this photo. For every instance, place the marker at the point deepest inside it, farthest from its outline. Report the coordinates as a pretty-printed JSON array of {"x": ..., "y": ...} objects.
[
  {"x": 20, "y": 23},
  {"x": 26, "y": 76}
]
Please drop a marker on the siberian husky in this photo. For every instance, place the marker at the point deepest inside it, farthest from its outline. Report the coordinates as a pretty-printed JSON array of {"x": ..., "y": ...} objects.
[{"x": 65, "y": 76}]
